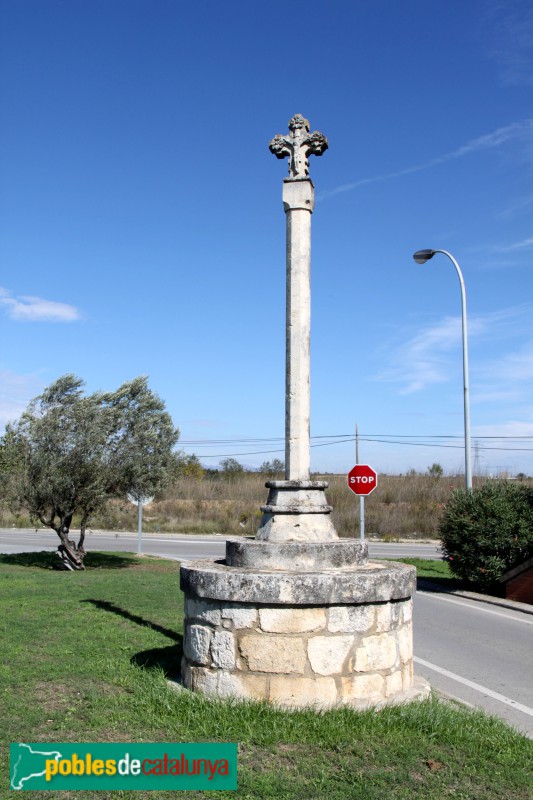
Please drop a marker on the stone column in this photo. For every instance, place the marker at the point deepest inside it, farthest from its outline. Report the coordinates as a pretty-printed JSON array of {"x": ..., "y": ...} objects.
[
  {"x": 296, "y": 508},
  {"x": 298, "y": 202}
]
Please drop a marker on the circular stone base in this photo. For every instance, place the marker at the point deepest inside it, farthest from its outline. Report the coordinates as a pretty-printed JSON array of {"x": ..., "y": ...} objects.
[
  {"x": 319, "y": 638},
  {"x": 301, "y": 556},
  {"x": 420, "y": 690}
]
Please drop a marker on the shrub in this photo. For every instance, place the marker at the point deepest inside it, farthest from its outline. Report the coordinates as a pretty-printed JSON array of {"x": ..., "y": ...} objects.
[{"x": 488, "y": 531}]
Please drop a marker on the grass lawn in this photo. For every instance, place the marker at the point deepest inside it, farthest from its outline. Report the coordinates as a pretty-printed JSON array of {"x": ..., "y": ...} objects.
[{"x": 85, "y": 658}]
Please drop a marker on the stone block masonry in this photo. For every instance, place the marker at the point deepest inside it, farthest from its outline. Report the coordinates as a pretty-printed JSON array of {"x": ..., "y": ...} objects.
[{"x": 325, "y": 655}]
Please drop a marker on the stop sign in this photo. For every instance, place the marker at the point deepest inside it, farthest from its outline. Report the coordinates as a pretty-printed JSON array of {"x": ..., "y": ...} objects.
[{"x": 362, "y": 479}]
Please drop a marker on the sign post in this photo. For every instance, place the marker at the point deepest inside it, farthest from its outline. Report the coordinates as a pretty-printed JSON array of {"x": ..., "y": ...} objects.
[
  {"x": 362, "y": 480},
  {"x": 139, "y": 501}
]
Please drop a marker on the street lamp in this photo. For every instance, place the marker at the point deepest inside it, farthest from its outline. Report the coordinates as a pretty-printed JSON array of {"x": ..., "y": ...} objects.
[{"x": 421, "y": 256}]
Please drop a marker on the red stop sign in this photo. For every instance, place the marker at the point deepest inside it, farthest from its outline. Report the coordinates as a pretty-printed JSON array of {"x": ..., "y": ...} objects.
[{"x": 362, "y": 479}]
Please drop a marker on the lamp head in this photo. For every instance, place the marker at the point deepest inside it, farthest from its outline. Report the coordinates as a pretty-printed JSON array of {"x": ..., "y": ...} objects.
[{"x": 421, "y": 256}]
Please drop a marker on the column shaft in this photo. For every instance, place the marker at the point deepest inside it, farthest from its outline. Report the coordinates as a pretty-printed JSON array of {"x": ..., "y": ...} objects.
[{"x": 298, "y": 202}]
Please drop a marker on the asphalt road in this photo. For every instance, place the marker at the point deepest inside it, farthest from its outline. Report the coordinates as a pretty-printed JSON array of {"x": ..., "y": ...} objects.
[
  {"x": 470, "y": 650},
  {"x": 478, "y": 653},
  {"x": 177, "y": 546}
]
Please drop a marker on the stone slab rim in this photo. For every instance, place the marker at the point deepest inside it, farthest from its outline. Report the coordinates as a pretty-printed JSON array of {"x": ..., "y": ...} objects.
[
  {"x": 374, "y": 582},
  {"x": 296, "y": 509},
  {"x": 291, "y": 485}
]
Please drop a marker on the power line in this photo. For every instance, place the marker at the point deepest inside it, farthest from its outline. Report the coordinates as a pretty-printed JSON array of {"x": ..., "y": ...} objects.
[
  {"x": 350, "y": 437},
  {"x": 336, "y": 439}
]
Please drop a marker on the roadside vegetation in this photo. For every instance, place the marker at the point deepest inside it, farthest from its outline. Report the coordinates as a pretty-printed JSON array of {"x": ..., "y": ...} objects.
[
  {"x": 228, "y": 502},
  {"x": 95, "y": 669},
  {"x": 487, "y": 532}
]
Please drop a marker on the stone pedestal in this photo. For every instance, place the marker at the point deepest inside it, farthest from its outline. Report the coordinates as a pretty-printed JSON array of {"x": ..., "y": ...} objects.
[
  {"x": 330, "y": 629},
  {"x": 296, "y": 511}
]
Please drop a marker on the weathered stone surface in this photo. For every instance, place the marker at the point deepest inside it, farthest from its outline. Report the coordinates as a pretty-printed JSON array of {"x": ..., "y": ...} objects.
[
  {"x": 327, "y": 654},
  {"x": 242, "y": 685},
  {"x": 305, "y": 555},
  {"x": 362, "y": 687},
  {"x": 292, "y": 620},
  {"x": 376, "y": 653},
  {"x": 204, "y": 680},
  {"x": 298, "y": 146},
  {"x": 273, "y": 653},
  {"x": 186, "y": 675},
  {"x": 407, "y": 611},
  {"x": 299, "y": 526},
  {"x": 418, "y": 689},
  {"x": 301, "y": 692},
  {"x": 388, "y": 616},
  {"x": 202, "y": 610},
  {"x": 241, "y": 616},
  {"x": 375, "y": 582},
  {"x": 405, "y": 643},
  {"x": 407, "y": 675},
  {"x": 292, "y": 494},
  {"x": 393, "y": 683},
  {"x": 196, "y": 645},
  {"x": 356, "y": 619},
  {"x": 223, "y": 649}
]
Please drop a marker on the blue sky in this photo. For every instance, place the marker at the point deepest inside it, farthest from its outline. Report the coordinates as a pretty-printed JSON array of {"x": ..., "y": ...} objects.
[{"x": 142, "y": 229}]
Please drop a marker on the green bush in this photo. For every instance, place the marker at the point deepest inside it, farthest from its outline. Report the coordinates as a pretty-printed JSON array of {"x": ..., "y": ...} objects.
[{"x": 486, "y": 532}]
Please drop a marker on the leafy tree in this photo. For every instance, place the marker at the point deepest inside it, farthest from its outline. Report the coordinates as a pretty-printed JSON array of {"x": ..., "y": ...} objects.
[
  {"x": 189, "y": 466},
  {"x": 231, "y": 468},
  {"x": 141, "y": 457},
  {"x": 435, "y": 471},
  {"x": 488, "y": 531},
  {"x": 69, "y": 453},
  {"x": 273, "y": 468}
]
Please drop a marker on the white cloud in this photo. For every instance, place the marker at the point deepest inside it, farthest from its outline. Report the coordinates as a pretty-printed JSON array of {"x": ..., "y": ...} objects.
[
  {"x": 518, "y": 429},
  {"x": 517, "y": 207},
  {"x": 515, "y": 367},
  {"x": 488, "y": 141},
  {"x": 28, "y": 308},
  {"x": 423, "y": 359},
  {"x": 16, "y": 391},
  {"x": 525, "y": 244},
  {"x": 513, "y": 40}
]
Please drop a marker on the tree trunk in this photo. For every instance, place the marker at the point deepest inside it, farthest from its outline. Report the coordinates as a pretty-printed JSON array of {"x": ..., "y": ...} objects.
[{"x": 70, "y": 554}]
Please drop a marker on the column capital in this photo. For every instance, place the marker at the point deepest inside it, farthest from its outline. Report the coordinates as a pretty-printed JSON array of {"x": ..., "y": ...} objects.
[{"x": 298, "y": 194}]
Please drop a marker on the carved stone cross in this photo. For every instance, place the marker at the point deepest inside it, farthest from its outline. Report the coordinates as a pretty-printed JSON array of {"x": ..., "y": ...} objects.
[{"x": 298, "y": 145}]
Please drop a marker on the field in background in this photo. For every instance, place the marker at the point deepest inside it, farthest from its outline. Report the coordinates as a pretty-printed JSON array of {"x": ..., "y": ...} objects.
[{"x": 403, "y": 506}]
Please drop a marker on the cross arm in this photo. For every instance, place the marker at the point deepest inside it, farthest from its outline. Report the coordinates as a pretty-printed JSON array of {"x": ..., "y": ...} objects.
[{"x": 280, "y": 146}]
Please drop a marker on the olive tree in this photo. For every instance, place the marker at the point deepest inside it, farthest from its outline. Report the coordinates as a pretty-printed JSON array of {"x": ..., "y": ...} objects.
[{"x": 69, "y": 453}]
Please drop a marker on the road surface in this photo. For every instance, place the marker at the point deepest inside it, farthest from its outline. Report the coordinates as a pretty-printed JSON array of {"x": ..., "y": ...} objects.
[
  {"x": 178, "y": 546},
  {"x": 470, "y": 650}
]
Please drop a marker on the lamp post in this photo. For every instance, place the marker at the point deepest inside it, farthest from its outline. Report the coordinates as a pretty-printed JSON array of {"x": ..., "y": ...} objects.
[{"x": 421, "y": 256}]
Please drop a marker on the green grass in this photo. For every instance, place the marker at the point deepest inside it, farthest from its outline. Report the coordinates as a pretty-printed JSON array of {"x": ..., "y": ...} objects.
[
  {"x": 436, "y": 569},
  {"x": 438, "y": 573},
  {"x": 85, "y": 657}
]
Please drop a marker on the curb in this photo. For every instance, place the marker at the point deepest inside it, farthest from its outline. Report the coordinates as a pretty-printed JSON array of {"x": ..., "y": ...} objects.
[{"x": 512, "y": 605}]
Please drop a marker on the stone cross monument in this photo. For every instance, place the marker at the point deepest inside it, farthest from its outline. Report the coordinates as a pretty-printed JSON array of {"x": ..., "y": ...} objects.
[
  {"x": 297, "y": 616},
  {"x": 296, "y": 508},
  {"x": 298, "y": 201}
]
